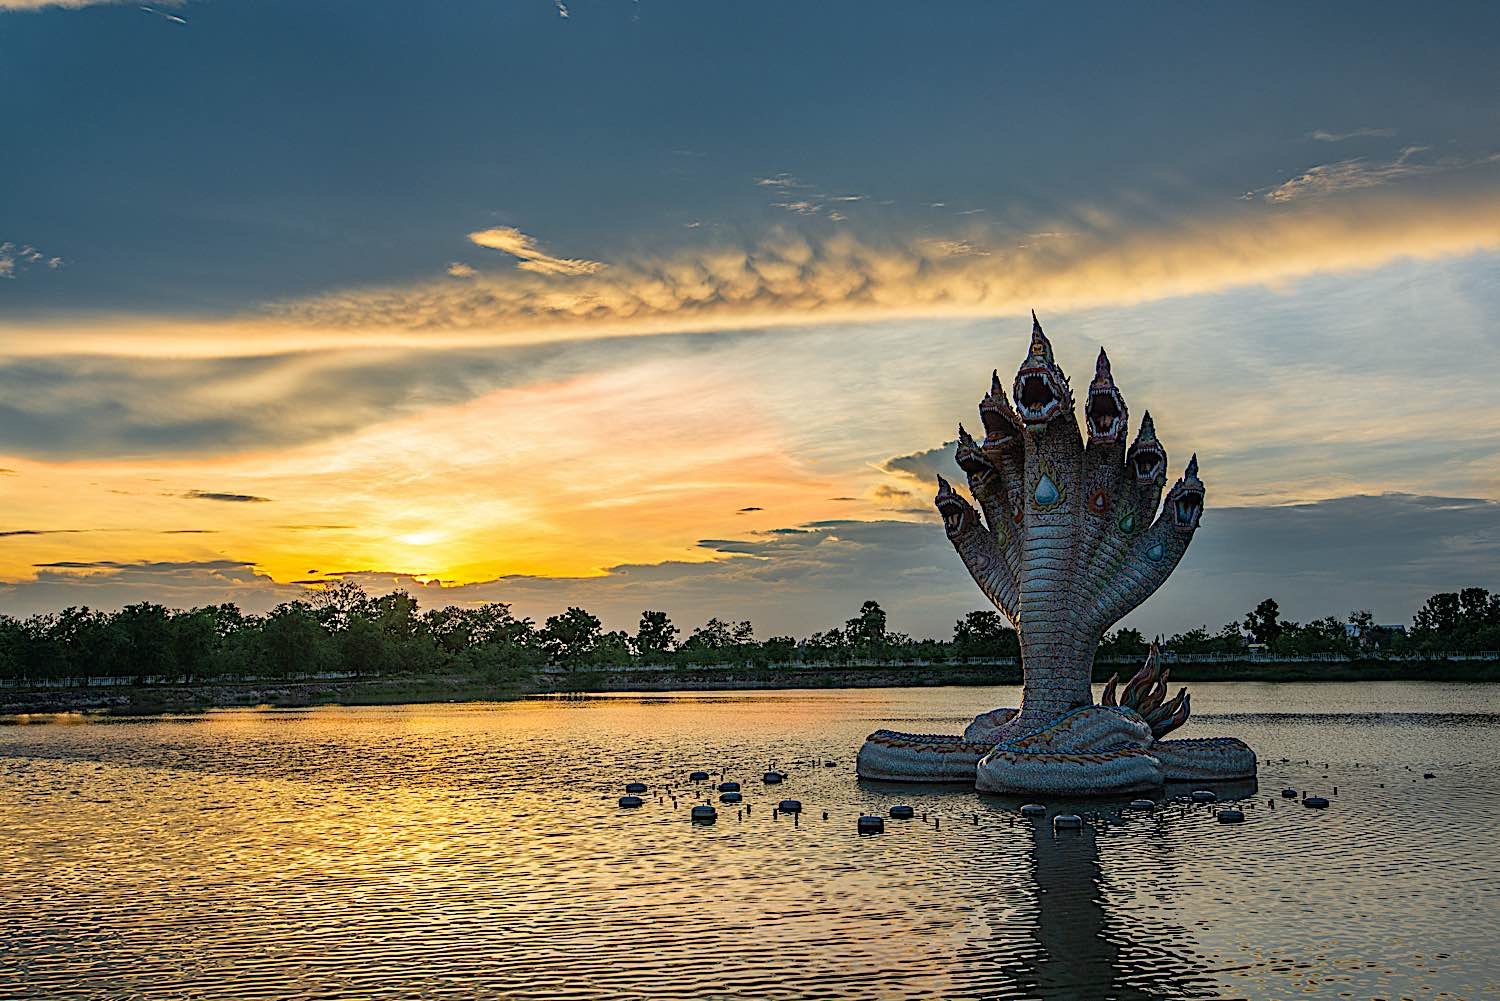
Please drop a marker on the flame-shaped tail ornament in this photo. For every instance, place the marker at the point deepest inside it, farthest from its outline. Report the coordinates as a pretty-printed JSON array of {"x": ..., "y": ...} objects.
[{"x": 1066, "y": 541}]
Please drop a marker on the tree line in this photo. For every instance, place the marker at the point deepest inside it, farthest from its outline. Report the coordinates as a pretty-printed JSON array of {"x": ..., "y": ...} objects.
[{"x": 342, "y": 629}]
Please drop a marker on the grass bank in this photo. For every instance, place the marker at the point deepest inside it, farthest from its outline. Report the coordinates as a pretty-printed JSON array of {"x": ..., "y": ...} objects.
[{"x": 138, "y": 700}]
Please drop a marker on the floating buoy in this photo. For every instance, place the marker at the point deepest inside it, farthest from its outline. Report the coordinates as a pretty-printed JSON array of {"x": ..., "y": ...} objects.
[
  {"x": 1288, "y": 793},
  {"x": 1230, "y": 816},
  {"x": 771, "y": 778},
  {"x": 699, "y": 777},
  {"x": 631, "y": 801},
  {"x": 871, "y": 825},
  {"x": 704, "y": 814},
  {"x": 1143, "y": 804},
  {"x": 1315, "y": 802},
  {"x": 790, "y": 806},
  {"x": 902, "y": 812},
  {"x": 1068, "y": 820},
  {"x": 635, "y": 787},
  {"x": 1204, "y": 796},
  {"x": 730, "y": 797},
  {"x": 1033, "y": 810},
  {"x": 729, "y": 787}
]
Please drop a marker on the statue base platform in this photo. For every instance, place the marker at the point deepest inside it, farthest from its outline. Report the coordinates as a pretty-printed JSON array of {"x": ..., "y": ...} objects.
[{"x": 1093, "y": 750}]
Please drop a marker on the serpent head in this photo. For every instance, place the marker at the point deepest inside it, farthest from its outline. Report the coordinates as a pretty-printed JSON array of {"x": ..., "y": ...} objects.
[
  {"x": 1041, "y": 389},
  {"x": 1105, "y": 407},
  {"x": 1001, "y": 423},
  {"x": 1147, "y": 459},
  {"x": 1185, "y": 499},
  {"x": 958, "y": 516}
]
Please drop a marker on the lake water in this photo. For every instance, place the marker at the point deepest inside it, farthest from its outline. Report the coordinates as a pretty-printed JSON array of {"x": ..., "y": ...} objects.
[{"x": 476, "y": 851}]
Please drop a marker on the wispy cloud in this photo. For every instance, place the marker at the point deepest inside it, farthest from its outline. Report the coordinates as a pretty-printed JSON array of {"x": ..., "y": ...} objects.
[
  {"x": 800, "y": 207},
  {"x": 1324, "y": 135},
  {"x": 213, "y": 495},
  {"x": 1361, "y": 172},
  {"x": 458, "y": 269},
  {"x": 13, "y": 533},
  {"x": 801, "y": 198},
  {"x": 18, "y": 257},
  {"x": 531, "y": 257},
  {"x": 163, "y": 14},
  {"x": 782, "y": 181},
  {"x": 75, "y": 4}
]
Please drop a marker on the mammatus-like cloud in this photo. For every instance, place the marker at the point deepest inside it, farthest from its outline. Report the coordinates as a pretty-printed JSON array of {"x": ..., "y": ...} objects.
[
  {"x": 789, "y": 278},
  {"x": 530, "y": 256},
  {"x": 1360, "y": 172}
]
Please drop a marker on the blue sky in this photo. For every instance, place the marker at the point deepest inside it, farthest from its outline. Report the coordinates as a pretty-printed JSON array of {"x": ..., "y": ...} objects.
[{"x": 403, "y": 270}]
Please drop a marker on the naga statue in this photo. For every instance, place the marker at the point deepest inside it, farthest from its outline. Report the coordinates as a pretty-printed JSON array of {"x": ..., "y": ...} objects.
[{"x": 1069, "y": 542}]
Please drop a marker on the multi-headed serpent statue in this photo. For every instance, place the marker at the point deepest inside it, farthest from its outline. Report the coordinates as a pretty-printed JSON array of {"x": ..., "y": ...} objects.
[{"x": 1070, "y": 542}]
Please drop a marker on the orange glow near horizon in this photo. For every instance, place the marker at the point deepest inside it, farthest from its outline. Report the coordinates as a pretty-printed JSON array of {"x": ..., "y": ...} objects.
[{"x": 562, "y": 479}]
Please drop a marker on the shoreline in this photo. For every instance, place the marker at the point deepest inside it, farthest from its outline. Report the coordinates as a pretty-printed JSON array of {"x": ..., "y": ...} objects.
[{"x": 143, "y": 700}]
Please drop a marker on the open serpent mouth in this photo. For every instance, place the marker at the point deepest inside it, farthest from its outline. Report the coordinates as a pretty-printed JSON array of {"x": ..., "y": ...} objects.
[
  {"x": 1187, "y": 507},
  {"x": 1105, "y": 418},
  {"x": 954, "y": 509},
  {"x": 1035, "y": 398},
  {"x": 1148, "y": 463}
]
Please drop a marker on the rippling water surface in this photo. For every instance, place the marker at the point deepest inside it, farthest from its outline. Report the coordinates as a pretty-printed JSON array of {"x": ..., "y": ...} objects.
[{"x": 477, "y": 851}]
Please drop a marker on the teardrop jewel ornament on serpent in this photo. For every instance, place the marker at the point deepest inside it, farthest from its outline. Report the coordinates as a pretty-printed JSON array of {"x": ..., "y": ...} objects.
[{"x": 1046, "y": 492}]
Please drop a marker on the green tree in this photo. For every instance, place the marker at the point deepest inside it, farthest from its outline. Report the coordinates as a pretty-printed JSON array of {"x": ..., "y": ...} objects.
[
  {"x": 984, "y": 635},
  {"x": 1124, "y": 642},
  {"x": 570, "y": 639},
  {"x": 655, "y": 636},
  {"x": 829, "y": 646},
  {"x": 363, "y": 648},
  {"x": 294, "y": 641},
  {"x": 779, "y": 650},
  {"x": 194, "y": 639},
  {"x": 867, "y": 629},
  {"x": 338, "y": 603},
  {"x": 1264, "y": 622}
]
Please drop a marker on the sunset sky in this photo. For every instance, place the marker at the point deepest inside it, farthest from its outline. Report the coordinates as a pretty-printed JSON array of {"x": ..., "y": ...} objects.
[{"x": 674, "y": 305}]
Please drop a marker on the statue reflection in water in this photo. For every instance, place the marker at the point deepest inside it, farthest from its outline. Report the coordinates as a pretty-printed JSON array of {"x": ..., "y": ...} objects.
[{"x": 1097, "y": 916}]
